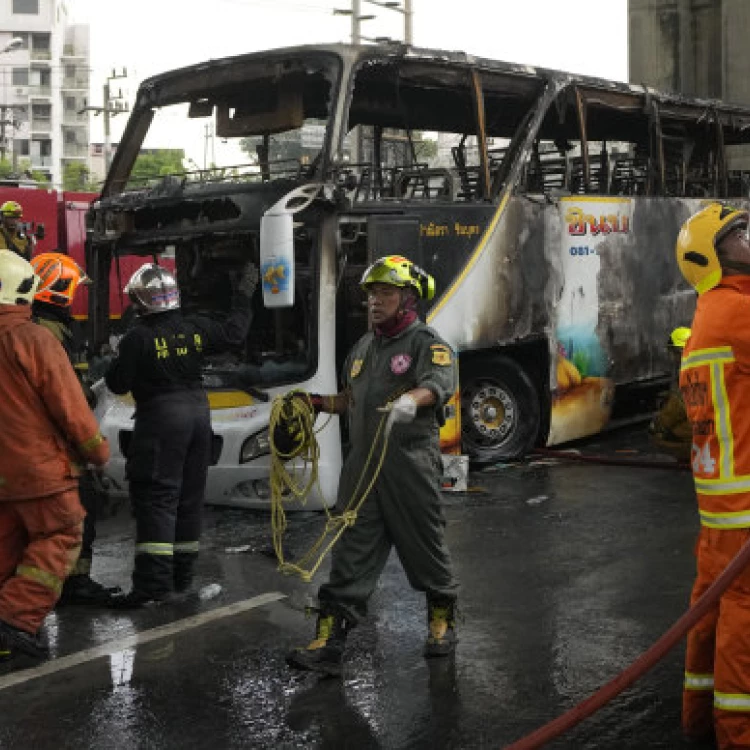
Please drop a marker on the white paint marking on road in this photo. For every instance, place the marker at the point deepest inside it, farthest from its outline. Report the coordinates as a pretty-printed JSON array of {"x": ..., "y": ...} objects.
[{"x": 147, "y": 636}]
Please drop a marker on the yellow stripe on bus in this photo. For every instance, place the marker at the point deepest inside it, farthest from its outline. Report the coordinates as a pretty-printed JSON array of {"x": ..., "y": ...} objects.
[
  {"x": 216, "y": 399},
  {"x": 451, "y": 290}
]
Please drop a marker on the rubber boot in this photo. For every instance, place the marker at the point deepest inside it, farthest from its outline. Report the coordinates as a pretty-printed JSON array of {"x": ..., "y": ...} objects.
[
  {"x": 441, "y": 627},
  {"x": 136, "y": 599},
  {"x": 326, "y": 653},
  {"x": 83, "y": 589},
  {"x": 16, "y": 641}
]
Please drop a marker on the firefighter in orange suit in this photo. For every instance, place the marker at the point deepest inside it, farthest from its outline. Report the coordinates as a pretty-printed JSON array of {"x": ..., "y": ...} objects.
[
  {"x": 48, "y": 431},
  {"x": 713, "y": 252}
]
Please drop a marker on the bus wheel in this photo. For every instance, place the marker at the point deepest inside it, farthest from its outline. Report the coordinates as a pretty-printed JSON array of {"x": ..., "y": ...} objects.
[{"x": 499, "y": 410}]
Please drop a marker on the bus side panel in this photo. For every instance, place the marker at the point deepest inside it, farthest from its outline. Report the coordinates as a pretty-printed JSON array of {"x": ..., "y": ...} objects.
[
  {"x": 621, "y": 294},
  {"x": 499, "y": 296}
]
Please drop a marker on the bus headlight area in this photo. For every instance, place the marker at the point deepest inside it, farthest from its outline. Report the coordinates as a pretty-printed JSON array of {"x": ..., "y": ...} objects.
[{"x": 255, "y": 446}]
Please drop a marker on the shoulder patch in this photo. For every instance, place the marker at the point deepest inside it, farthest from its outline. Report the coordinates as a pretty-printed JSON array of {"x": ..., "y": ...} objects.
[
  {"x": 356, "y": 368},
  {"x": 441, "y": 354}
]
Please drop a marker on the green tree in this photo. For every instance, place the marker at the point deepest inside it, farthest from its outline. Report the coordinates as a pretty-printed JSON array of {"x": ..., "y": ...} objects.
[
  {"x": 425, "y": 149},
  {"x": 77, "y": 177},
  {"x": 23, "y": 169},
  {"x": 156, "y": 163}
]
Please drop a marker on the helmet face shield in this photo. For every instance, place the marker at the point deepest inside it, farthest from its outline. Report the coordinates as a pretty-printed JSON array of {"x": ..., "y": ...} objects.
[
  {"x": 152, "y": 289},
  {"x": 401, "y": 272}
]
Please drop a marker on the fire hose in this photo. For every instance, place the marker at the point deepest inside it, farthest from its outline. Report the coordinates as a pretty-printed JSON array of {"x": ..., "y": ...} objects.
[
  {"x": 610, "y": 460},
  {"x": 642, "y": 664}
]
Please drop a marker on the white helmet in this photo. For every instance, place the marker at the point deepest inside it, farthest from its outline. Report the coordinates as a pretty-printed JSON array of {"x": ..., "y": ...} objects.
[
  {"x": 152, "y": 289},
  {"x": 18, "y": 282}
]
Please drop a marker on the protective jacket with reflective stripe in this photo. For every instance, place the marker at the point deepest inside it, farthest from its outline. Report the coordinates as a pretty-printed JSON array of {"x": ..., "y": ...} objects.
[
  {"x": 715, "y": 384},
  {"x": 47, "y": 426}
]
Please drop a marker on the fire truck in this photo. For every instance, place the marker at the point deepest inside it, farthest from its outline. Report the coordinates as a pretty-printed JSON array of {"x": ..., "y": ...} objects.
[{"x": 60, "y": 215}]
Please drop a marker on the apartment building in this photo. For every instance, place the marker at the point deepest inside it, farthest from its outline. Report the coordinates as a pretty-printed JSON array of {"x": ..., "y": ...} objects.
[{"x": 44, "y": 85}]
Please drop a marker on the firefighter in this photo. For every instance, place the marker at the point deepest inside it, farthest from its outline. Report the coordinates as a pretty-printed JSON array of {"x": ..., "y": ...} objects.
[
  {"x": 48, "y": 430},
  {"x": 60, "y": 276},
  {"x": 12, "y": 236},
  {"x": 713, "y": 253},
  {"x": 405, "y": 365},
  {"x": 670, "y": 430},
  {"x": 159, "y": 361}
]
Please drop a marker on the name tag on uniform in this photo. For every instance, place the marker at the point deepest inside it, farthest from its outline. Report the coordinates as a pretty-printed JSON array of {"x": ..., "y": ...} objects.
[
  {"x": 441, "y": 354},
  {"x": 356, "y": 368}
]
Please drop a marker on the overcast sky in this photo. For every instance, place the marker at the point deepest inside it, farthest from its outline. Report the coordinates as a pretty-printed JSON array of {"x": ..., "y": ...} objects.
[{"x": 152, "y": 36}]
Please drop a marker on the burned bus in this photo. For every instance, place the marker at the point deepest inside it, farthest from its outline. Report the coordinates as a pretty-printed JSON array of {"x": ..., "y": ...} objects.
[{"x": 545, "y": 204}]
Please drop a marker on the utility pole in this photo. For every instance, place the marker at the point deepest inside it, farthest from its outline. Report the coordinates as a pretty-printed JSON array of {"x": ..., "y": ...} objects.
[
  {"x": 7, "y": 121},
  {"x": 13, "y": 44},
  {"x": 406, "y": 10},
  {"x": 111, "y": 106},
  {"x": 356, "y": 14}
]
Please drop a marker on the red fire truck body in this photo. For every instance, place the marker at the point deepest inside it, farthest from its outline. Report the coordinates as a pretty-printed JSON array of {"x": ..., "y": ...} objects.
[{"x": 63, "y": 215}]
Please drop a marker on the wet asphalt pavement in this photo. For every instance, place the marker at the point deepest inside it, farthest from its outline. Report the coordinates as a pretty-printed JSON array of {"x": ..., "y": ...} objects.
[{"x": 569, "y": 572}]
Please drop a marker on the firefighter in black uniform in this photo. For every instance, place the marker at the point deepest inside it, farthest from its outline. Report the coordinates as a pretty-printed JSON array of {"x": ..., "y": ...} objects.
[
  {"x": 60, "y": 276},
  {"x": 159, "y": 362}
]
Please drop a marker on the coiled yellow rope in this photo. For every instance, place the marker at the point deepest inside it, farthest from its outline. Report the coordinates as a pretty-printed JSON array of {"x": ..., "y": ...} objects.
[{"x": 295, "y": 474}]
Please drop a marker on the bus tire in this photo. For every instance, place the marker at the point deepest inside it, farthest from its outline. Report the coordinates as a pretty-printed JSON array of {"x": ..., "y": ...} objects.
[{"x": 500, "y": 410}]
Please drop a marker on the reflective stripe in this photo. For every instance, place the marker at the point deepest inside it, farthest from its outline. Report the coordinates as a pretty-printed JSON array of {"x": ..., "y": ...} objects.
[
  {"x": 705, "y": 356},
  {"x": 722, "y": 421},
  {"x": 727, "y": 486},
  {"x": 187, "y": 546},
  {"x": 46, "y": 579},
  {"x": 154, "y": 548},
  {"x": 732, "y": 701},
  {"x": 699, "y": 681},
  {"x": 92, "y": 442},
  {"x": 740, "y": 520}
]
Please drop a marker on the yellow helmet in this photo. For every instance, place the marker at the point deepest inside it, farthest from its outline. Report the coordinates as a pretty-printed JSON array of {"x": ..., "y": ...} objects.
[
  {"x": 11, "y": 208},
  {"x": 399, "y": 271},
  {"x": 679, "y": 337},
  {"x": 18, "y": 282},
  {"x": 696, "y": 244}
]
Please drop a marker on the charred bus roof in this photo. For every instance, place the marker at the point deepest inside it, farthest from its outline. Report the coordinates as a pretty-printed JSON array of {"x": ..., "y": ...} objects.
[{"x": 429, "y": 75}]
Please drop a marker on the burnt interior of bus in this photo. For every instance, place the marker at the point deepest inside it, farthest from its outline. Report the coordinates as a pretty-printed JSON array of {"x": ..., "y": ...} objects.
[
  {"x": 207, "y": 220},
  {"x": 440, "y": 131}
]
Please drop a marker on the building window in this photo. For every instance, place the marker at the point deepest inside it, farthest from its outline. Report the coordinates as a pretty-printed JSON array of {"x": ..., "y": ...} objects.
[
  {"x": 21, "y": 146},
  {"x": 26, "y": 6},
  {"x": 20, "y": 76},
  {"x": 40, "y": 42}
]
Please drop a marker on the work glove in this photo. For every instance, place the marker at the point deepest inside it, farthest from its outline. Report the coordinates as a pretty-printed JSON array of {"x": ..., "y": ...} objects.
[
  {"x": 248, "y": 280},
  {"x": 402, "y": 410}
]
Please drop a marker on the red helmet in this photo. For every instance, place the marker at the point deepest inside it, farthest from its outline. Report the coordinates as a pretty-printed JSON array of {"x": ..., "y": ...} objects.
[{"x": 59, "y": 277}]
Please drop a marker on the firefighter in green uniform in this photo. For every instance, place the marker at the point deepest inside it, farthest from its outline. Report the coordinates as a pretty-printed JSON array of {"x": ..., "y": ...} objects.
[
  {"x": 11, "y": 237},
  {"x": 670, "y": 430},
  {"x": 405, "y": 367}
]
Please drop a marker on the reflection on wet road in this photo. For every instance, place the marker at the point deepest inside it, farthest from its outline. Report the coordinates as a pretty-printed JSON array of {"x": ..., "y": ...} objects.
[{"x": 569, "y": 571}]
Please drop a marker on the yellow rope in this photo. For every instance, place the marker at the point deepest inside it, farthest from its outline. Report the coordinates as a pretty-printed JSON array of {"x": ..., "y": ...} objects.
[{"x": 295, "y": 483}]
